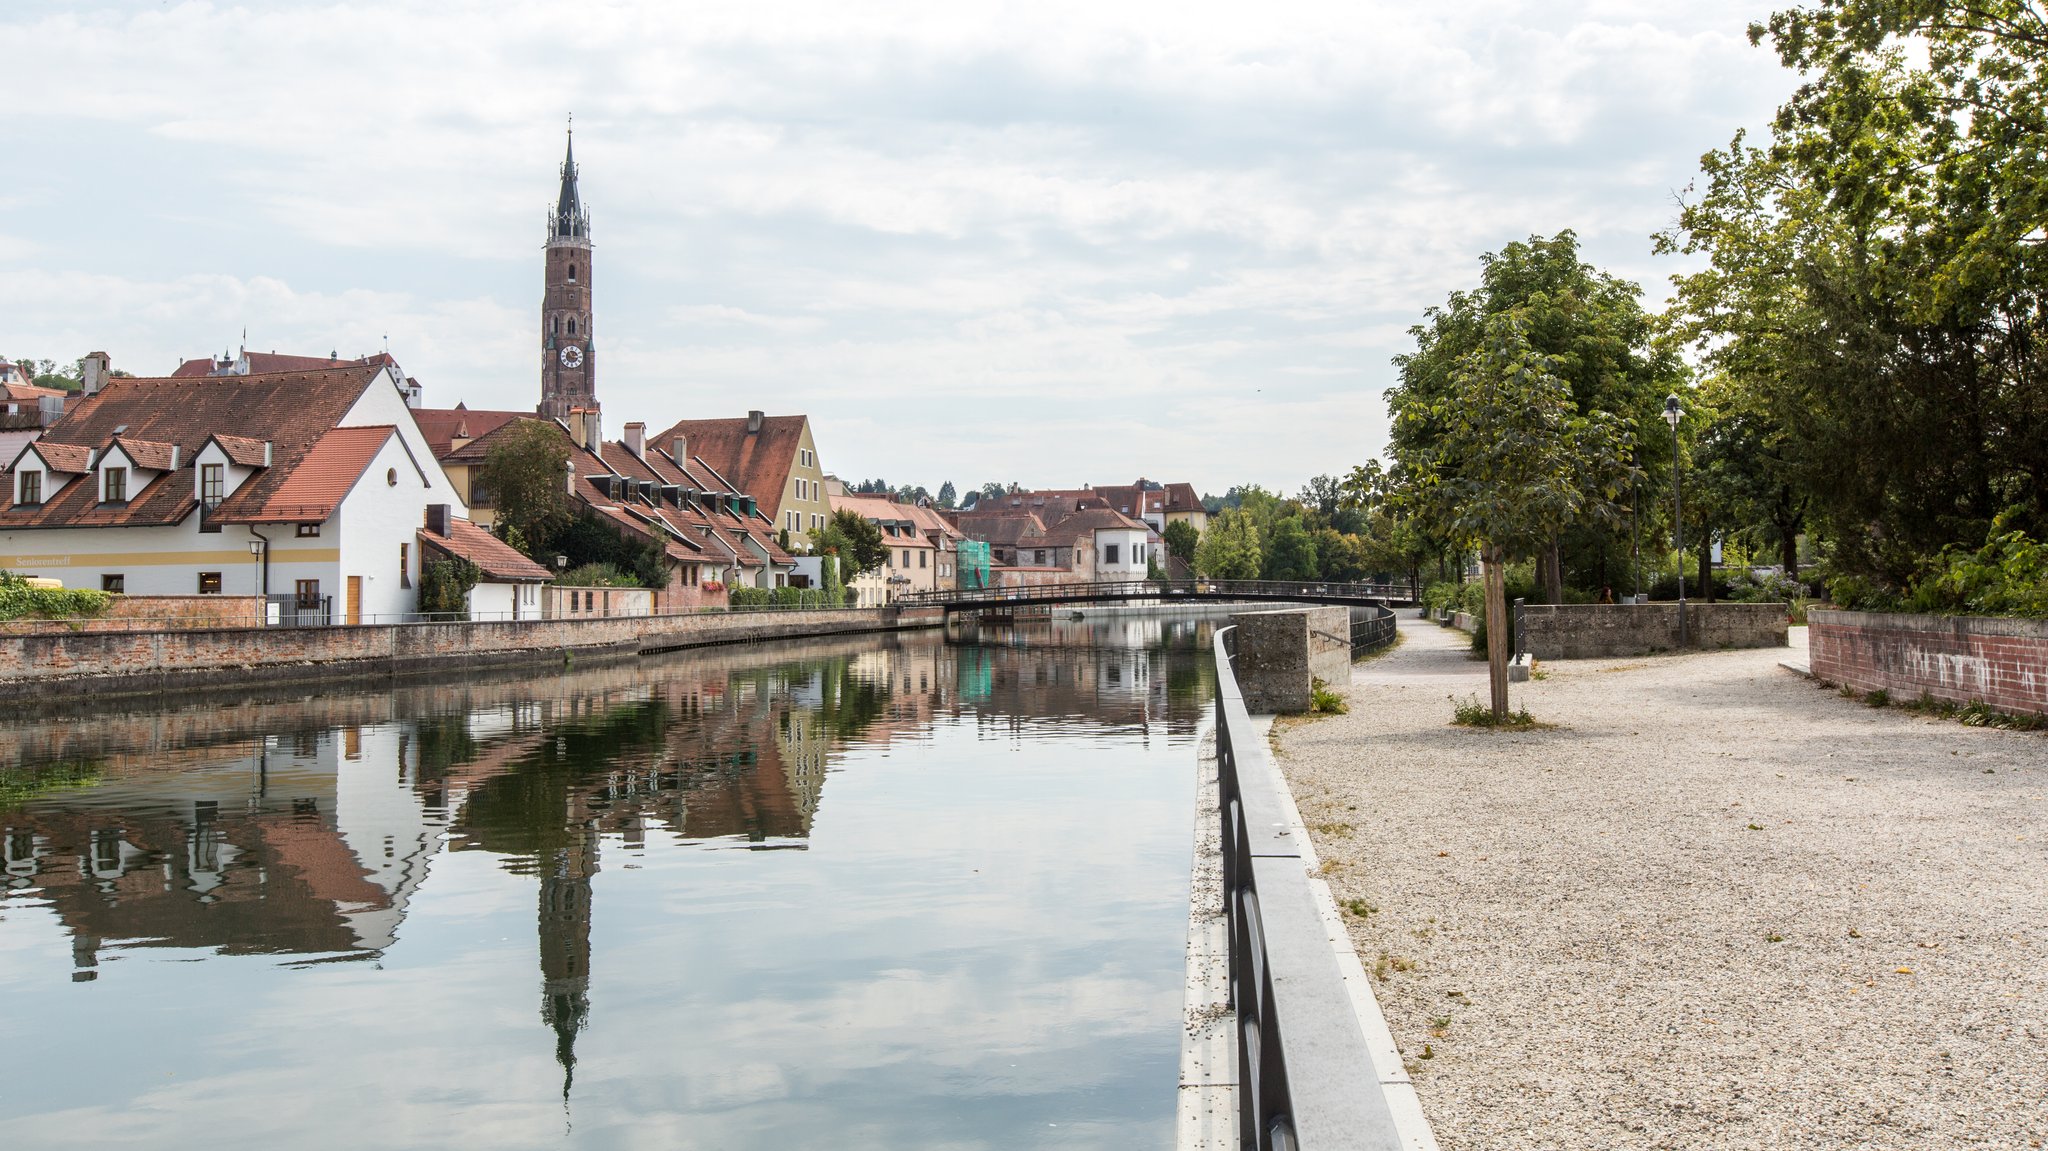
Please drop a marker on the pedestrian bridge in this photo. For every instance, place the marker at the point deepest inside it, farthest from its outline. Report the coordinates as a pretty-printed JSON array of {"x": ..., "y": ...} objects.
[{"x": 1169, "y": 590}]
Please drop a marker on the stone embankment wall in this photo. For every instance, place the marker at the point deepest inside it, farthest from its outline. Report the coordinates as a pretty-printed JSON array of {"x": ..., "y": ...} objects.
[
  {"x": 2002, "y": 663},
  {"x": 1280, "y": 653},
  {"x": 1598, "y": 631},
  {"x": 133, "y": 663}
]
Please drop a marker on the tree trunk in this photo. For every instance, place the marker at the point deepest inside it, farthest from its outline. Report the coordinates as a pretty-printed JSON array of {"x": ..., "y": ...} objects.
[
  {"x": 1496, "y": 630},
  {"x": 1707, "y": 568},
  {"x": 1547, "y": 574},
  {"x": 1788, "y": 551}
]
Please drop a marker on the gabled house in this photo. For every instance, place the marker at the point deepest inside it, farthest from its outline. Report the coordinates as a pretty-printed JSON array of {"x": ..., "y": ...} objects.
[
  {"x": 923, "y": 549},
  {"x": 306, "y": 486},
  {"x": 771, "y": 458}
]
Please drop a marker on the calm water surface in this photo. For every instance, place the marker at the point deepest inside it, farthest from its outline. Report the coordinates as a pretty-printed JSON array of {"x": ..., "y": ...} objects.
[{"x": 867, "y": 893}]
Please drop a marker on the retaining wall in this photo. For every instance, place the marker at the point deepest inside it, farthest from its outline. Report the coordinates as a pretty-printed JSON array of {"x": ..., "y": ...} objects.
[
  {"x": 152, "y": 613},
  {"x": 1597, "y": 631},
  {"x": 2002, "y": 663},
  {"x": 132, "y": 663},
  {"x": 1280, "y": 653}
]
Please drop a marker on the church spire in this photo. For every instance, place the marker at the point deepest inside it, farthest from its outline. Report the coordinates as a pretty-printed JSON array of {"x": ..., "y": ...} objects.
[{"x": 571, "y": 221}]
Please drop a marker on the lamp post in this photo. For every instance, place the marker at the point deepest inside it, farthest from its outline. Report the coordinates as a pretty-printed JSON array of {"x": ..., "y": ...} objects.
[{"x": 1672, "y": 414}]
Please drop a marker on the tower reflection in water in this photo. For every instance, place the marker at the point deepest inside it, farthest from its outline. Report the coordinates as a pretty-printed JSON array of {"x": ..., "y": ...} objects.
[{"x": 304, "y": 827}]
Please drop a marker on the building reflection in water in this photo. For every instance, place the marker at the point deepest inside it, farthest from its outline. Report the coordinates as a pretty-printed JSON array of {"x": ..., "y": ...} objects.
[{"x": 304, "y": 827}]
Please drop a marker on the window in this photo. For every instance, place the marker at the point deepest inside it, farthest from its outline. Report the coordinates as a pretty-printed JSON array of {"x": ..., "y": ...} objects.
[
  {"x": 906, "y": 557},
  {"x": 209, "y": 583},
  {"x": 1109, "y": 553},
  {"x": 572, "y": 325},
  {"x": 1038, "y": 557},
  {"x": 116, "y": 489},
  {"x": 554, "y": 325},
  {"x": 390, "y": 477},
  {"x": 212, "y": 484},
  {"x": 31, "y": 492},
  {"x": 920, "y": 559},
  {"x": 889, "y": 558},
  {"x": 572, "y": 279},
  {"x": 308, "y": 531},
  {"x": 117, "y": 583},
  {"x": 306, "y": 594},
  {"x": 404, "y": 565}
]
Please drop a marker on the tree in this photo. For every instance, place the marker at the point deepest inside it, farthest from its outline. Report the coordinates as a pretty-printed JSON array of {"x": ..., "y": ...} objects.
[
  {"x": 1181, "y": 539},
  {"x": 1323, "y": 493},
  {"x": 1510, "y": 463},
  {"x": 1230, "y": 548},
  {"x": 1876, "y": 295},
  {"x": 445, "y": 586},
  {"x": 1592, "y": 330},
  {"x": 857, "y": 542},
  {"x": 947, "y": 495},
  {"x": 525, "y": 475},
  {"x": 1290, "y": 552}
]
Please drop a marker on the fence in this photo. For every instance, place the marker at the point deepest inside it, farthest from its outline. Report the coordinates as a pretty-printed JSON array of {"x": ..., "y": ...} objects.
[
  {"x": 1085, "y": 590},
  {"x": 1371, "y": 632},
  {"x": 1306, "y": 1079}
]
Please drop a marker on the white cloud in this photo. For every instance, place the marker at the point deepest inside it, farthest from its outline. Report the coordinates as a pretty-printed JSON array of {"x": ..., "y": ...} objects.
[{"x": 951, "y": 232}]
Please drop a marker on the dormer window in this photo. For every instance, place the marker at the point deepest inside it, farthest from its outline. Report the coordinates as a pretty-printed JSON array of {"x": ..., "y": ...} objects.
[
  {"x": 212, "y": 484},
  {"x": 114, "y": 486},
  {"x": 29, "y": 491}
]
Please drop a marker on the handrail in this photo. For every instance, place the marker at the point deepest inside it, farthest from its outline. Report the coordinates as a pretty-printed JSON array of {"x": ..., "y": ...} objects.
[
  {"x": 1306, "y": 1080},
  {"x": 1077, "y": 590}
]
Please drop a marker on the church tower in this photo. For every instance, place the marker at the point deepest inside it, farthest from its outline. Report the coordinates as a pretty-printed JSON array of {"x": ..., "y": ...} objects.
[{"x": 568, "y": 365}]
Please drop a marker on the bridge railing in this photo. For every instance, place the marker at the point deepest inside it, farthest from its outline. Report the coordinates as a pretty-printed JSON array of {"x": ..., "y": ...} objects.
[
  {"x": 1159, "y": 589},
  {"x": 1306, "y": 1080}
]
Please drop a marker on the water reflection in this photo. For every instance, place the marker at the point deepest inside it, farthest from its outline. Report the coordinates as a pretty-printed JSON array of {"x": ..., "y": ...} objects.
[{"x": 306, "y": 827}]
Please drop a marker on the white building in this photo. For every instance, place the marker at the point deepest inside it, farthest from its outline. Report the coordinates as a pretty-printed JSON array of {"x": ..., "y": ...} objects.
[{"x": 309, "y": 486}]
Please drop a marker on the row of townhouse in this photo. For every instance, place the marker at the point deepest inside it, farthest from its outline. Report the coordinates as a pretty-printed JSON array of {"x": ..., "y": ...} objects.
[
  {"x": 312, "y": 487},
  {"x": 922, "y": 548}
]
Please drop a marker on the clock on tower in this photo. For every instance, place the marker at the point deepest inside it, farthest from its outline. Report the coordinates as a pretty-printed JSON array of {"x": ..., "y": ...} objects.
[{"x": 568, "y": 353}]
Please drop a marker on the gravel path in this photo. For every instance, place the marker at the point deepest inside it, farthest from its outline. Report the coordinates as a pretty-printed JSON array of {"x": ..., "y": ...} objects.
[{"x": 1718, "y": 906}]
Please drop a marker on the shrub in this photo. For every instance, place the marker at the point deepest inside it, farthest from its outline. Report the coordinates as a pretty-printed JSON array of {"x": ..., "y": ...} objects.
[
  {"x": 1469, "y": 712},
  {"x": 445, "y": 586},
  {"x": 2007, "y": 576},
  {"x": 599, "y": 575},
  {"x": 789, "y": 597},
  {"x": 1324, "y": 701},
  {"x": 18, "y": 599}
]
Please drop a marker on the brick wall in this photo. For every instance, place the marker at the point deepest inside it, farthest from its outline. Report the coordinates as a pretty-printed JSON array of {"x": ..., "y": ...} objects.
[
  {"x": 132, "y": 663},
  {"x": 1598, "y": 631},
  {"x": 2002, "y": 663}
]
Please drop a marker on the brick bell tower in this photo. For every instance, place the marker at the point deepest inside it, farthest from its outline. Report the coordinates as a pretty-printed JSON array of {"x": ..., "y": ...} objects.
[{"x": 568, "y": 364}]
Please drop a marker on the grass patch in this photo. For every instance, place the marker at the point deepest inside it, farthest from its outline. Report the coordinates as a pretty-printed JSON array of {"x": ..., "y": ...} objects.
[
  {"x": 1331, "y": 829},
  {"x": 1323, "y": 701},
  {"x": 1976, "y": 713},
  {"x": 1878, "y": 698},
  {"x": 1470, "y": 712},
  {"x": 1359, "y": 908}
]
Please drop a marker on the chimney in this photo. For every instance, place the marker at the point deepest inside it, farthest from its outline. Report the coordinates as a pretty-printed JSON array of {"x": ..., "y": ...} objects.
[
  {"x": 636, "y": 439},
  {"x": 95, "y": 372},
  {"x": 569, "y": 469},
  {"x": 679, "y": 450},
  {"x": 754, "y": 423},
  {"x": 593, "y": 431},
  {"x": 437, "y": 520}
]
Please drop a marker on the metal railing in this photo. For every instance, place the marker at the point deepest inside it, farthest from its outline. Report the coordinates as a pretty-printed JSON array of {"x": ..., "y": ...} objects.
[
  {"x": 1372, "y": 632},
  {"x": 1082, "y": 591},
  {"x": 1306, "y": 1079}
]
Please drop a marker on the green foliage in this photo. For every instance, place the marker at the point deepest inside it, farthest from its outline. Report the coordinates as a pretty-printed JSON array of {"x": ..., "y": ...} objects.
[
  {"x": 947, "y": 495},
  {"x": 525, "y": 474},
  {"x": 19, "y": 785},
  {"x": 1324, "y": 701},
  {"x": 1230, "y": 548},
  {"x": 1181, "y": 541},
  {"x": 599, "y": 575},
  {"x": 1469, "y": 712},
  {"x": 445, "y": 585},
  {"x": 2007, "y": 576},
  {"x": 18, "y": 599},
  {"x": 1290, "y": 553},
  {"x": 585, "y": 540},
  {"x": 857, "y": 543},
  {"x": 784, "y": 597}
]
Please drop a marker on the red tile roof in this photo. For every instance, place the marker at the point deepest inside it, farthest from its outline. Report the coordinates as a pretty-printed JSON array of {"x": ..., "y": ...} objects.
[
  {"x": 69, "y": 458},
  {"x": 500, "y": 561},
  {"x": 243, "y": 450},
  {"x": 443, "y": 426},
  {"x": 155, "y": 455},
  {"x": 316, "y": 487},
  {"x": 25, "y": 392},
  {"x": 266, "y": 362},
  {"x": 757, "y": 463},
  {"x": 291, "y": 410}
]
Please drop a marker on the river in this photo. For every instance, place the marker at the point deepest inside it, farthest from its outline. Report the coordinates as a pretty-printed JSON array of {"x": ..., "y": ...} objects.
[{"x": 886, "y": 892}]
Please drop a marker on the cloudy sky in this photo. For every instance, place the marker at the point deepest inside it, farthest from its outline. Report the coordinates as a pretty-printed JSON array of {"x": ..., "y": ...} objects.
[{"x": 1044, "y": 242}]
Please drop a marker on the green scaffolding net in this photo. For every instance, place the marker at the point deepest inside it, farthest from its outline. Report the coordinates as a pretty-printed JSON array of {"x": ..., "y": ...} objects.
[{"x": 973, "y": 561}]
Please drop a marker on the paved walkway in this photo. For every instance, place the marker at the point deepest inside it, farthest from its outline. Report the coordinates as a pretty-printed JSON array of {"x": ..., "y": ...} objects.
[{"x": 1715, "y": 907}]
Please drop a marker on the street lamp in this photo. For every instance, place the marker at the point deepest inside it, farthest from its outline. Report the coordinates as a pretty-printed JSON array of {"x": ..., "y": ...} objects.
[{"x": 1672, "y": 414}]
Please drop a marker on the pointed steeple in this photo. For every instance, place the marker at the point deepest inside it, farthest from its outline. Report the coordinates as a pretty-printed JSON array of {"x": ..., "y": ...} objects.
[{"x": 571, "y": 221}]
